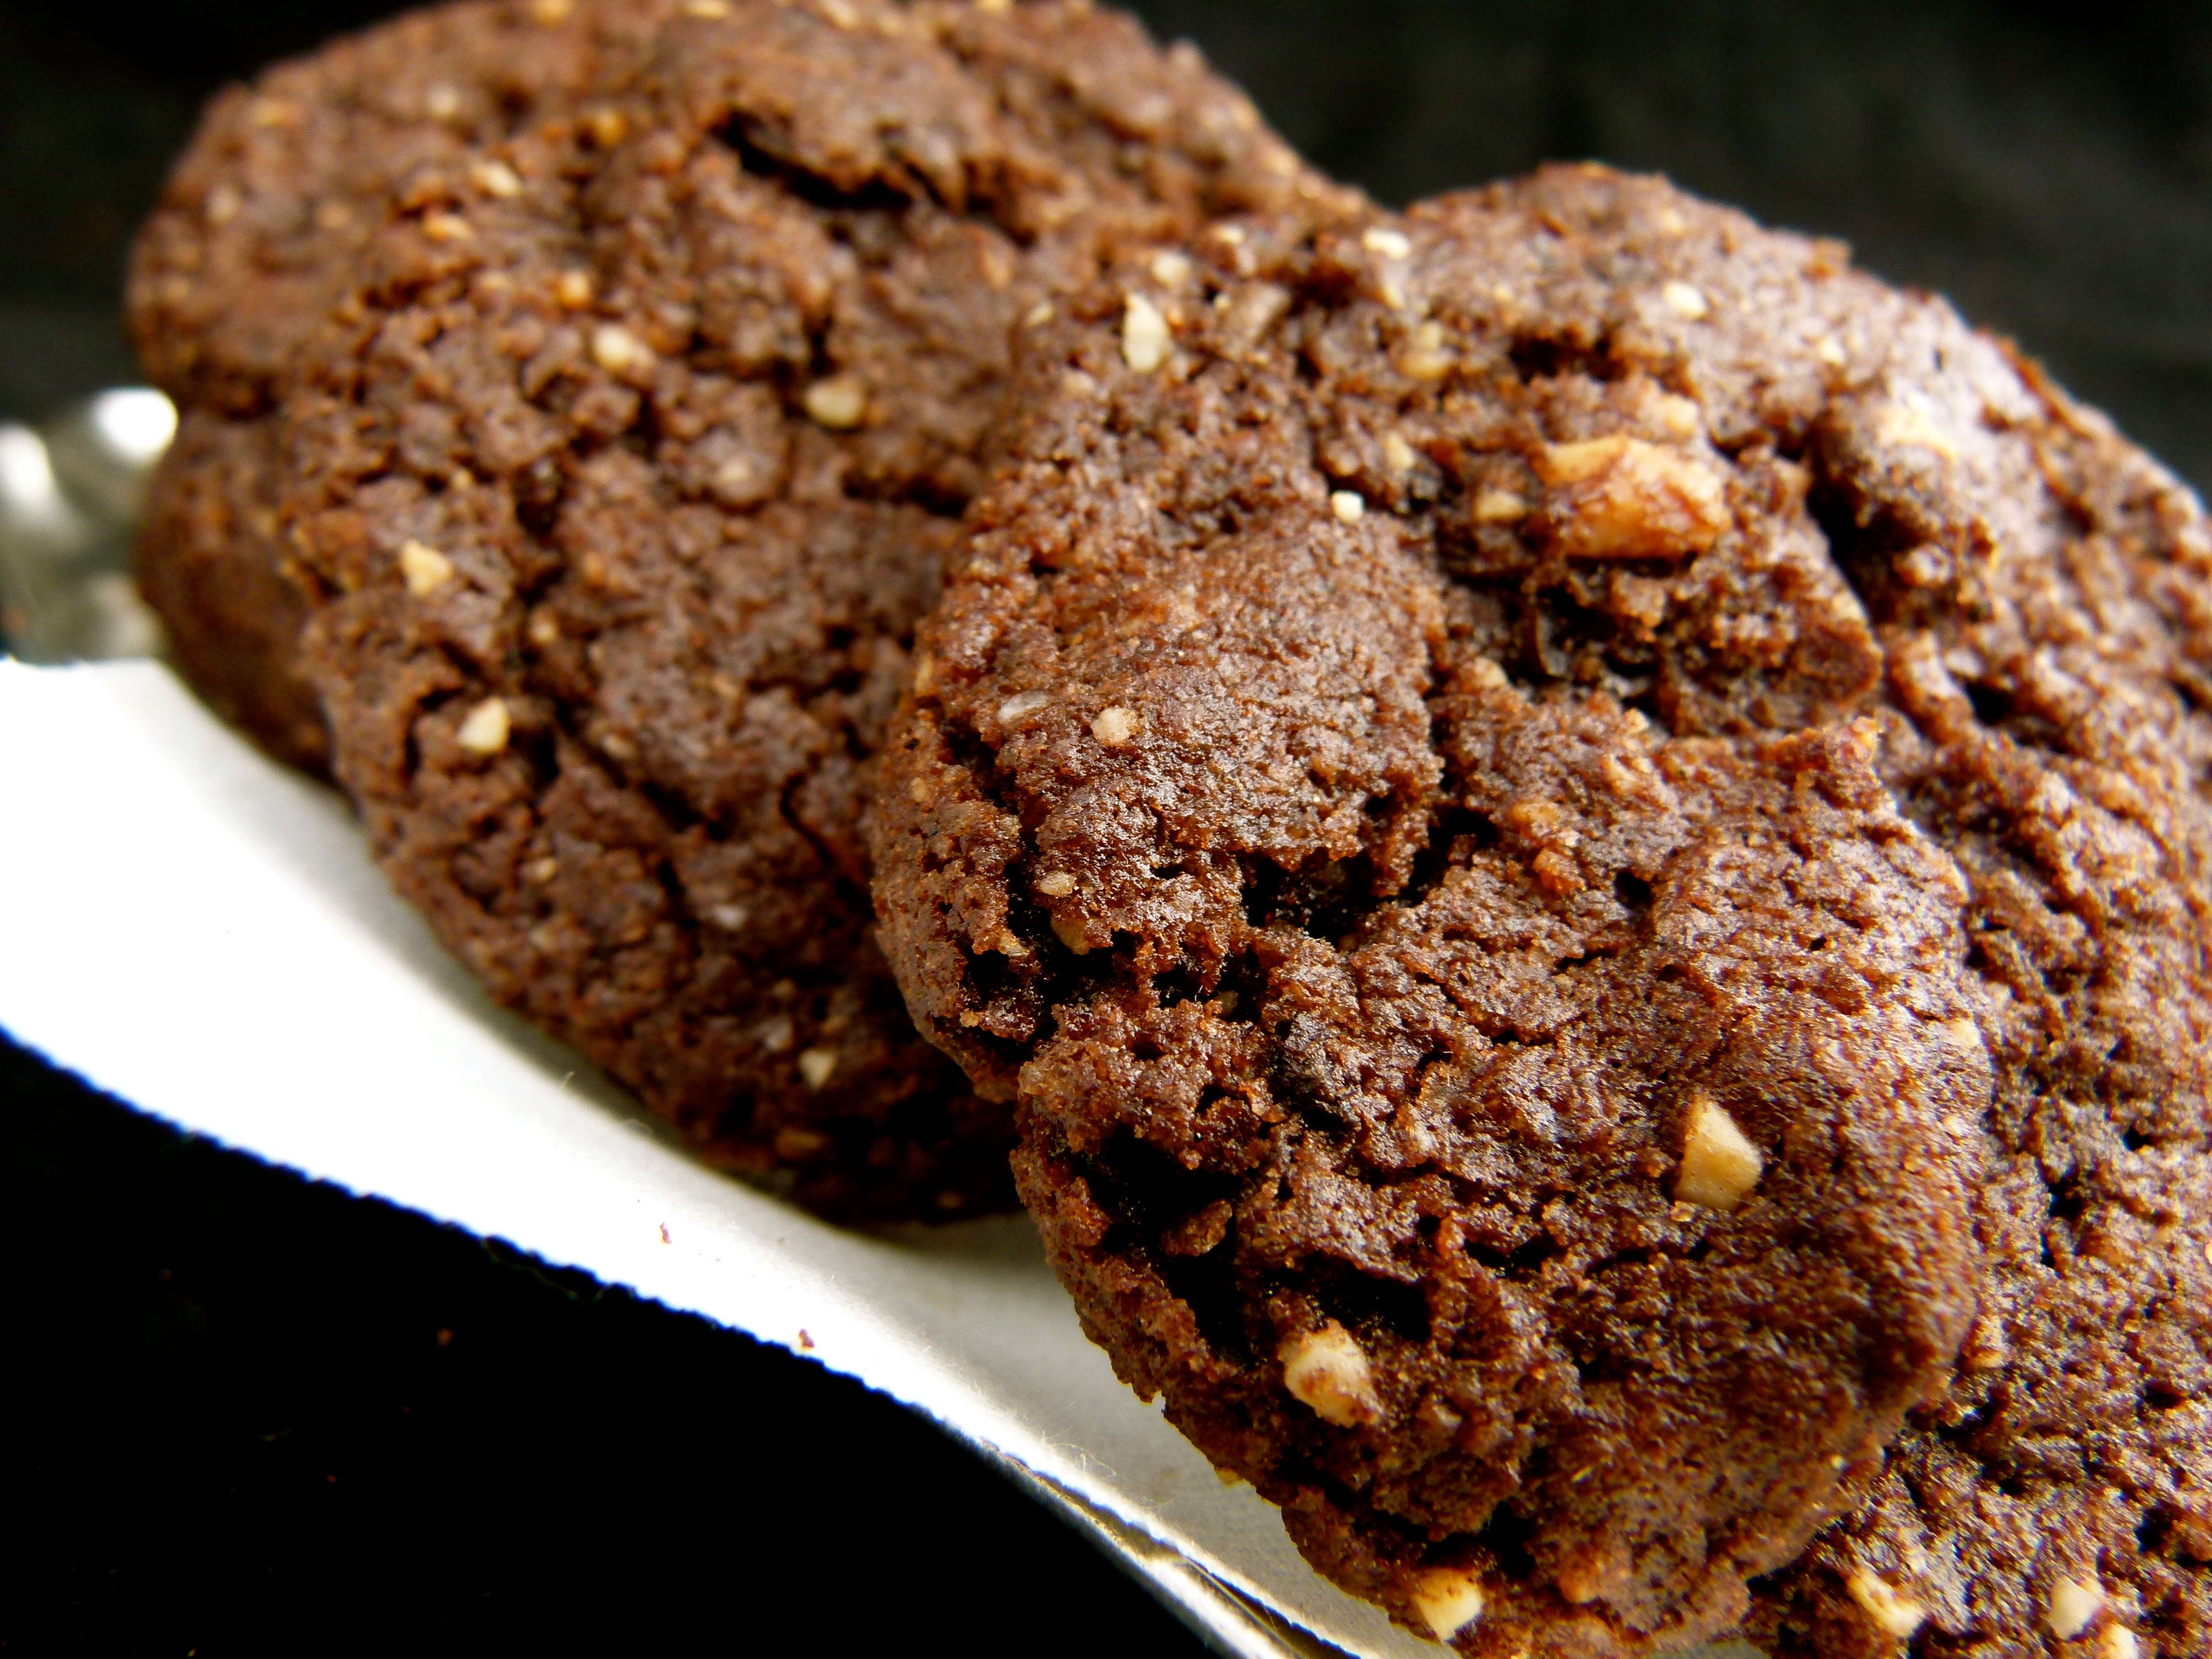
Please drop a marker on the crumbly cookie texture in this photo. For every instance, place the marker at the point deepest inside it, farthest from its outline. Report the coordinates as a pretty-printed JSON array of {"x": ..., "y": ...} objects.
[
  {"x": 620, "y": 462},
  {"x": 1577, "y": 832},
  {"x": 211, "y": 563},
  {"x": 261, "y": 232}
]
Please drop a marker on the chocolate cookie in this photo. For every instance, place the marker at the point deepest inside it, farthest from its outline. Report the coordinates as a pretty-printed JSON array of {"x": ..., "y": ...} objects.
[
  {"x": 618, "y": 480},
  {"x": 259, "y": 233},
  {"x": 1572, "y": 824}
]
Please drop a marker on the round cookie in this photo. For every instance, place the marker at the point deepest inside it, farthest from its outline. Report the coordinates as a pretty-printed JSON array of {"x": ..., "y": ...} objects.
[
  {"x": 259, "y": 233},
  {"x": 1568, "y": 820},
  {"x": 621, "y": 478}
]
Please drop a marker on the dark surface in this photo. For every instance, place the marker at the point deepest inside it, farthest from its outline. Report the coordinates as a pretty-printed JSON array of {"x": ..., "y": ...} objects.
[
  {"x": 2047, "y": 165},
  {"x": 245, "y": 1412}
]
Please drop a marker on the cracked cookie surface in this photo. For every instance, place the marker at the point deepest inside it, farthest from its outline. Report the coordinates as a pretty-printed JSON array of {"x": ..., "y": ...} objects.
[
  {"x": 617, "y": 473},
  {"x": 1545, "y": 807}
]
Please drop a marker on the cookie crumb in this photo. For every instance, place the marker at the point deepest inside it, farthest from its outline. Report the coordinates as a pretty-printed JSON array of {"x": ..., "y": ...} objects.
[
  {"x": 447, "y": 227},
  {"x": 486, "y": 730},
  {"x": 2073, "y": 1606},
  {"x": 1720, "y": 1166},
  {"x": 618, "y": 351},
  {"x": 1892, "y": 1611},
  {"x": 1022, "y": 705},
  {"x": 816, "y": 1065},
  {"x": 551, "y": 11},
  {"x": 1687, "y": 299},
  {"x": 713, "y": 10},
  {"x": 1328, "y": 1372},
  {"x": 1390, "y": 244},
  {"x": 1449, "y": 1600},
  {"x": 796, "y": 1144},
  {"x": 1146, "y": 338},
  {"x": 1039, "y": 314},
  {"x": 838, "y": 404},
  {"x": 1170, "y": 268},
  {"x": 538, "y": 871},
  {"x": 1116, "y": 726},
  {"x": 424, "y": 568},
  {"x": 1349, "y": 506}
]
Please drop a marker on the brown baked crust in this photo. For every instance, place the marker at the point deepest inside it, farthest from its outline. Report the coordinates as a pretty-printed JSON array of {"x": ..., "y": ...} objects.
[
  {"x": 1504, "y": 674},
  {"x": 211, "y": 563},
  {"x": 260, "y": 231},
  {"x": 619, "y": 477}
]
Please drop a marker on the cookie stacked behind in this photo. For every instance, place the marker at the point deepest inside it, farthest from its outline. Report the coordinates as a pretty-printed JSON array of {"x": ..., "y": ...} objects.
[
  {"x": 1579, "y": 833},
  {"x": 603, "y": 384},
  {"x": 263, "y": 230}
]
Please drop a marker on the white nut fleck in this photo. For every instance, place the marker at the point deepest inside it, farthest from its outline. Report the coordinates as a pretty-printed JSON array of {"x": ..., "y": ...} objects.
[
  {"x": 1390, "y": 244},
  {"x": 551, "y": 11},
  {"x": 1146, "y": 338},
  {"x": 1892, "y": 1610},
  {"x": 496, "y": 179},
  {"x": 1349, "y": 506},
  {"x": 2072, "y": 1607},
  {"x": 1058, "y": 884},
  {"x": 1116, "y": 726},
  {"x": 424, "y": 568},
  {"x": 442, "y": 102},
  {"x": 1500, "y": 507},
  {"x": 711, "y": 9},
  {"x": 1830, "y": 351},
  {"x": 2118, "y": 1642},
  {"x": 447, "y": 227},
  {"x": 1689, "y": 302},
  {"x": 1426, "y": 358},
  {"x": 573, "y": 288},
  {"x": 1232, "y": 235},
  {"x": 1398, "y": 454},
  {"x": 223, "y": 204},
  {"x": 816, "y": 1065},
  {"x": 730, "y": 918},
  {"x": 1170, "y": 268},
  {"x": 487, "y": 727},
  {"x": 544, "y": 630},
  {"x": 1448, "y": 1600},
  {"x": 1905, "y": 425},
  {"x": 541, "y": 871},
  {"x": 1022, "y": 705},
  {"x": 839, "y": 403},
  {"x": 1328, "y": 1372},
  {"x": 1720, "y": 1166},
  {"x": 618, "y": 351},
  {"x": 1039, "y": 314}
]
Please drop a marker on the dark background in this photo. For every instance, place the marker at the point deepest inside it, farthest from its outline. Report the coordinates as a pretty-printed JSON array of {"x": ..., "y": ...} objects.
[{"x": 238, "y": 1412}]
